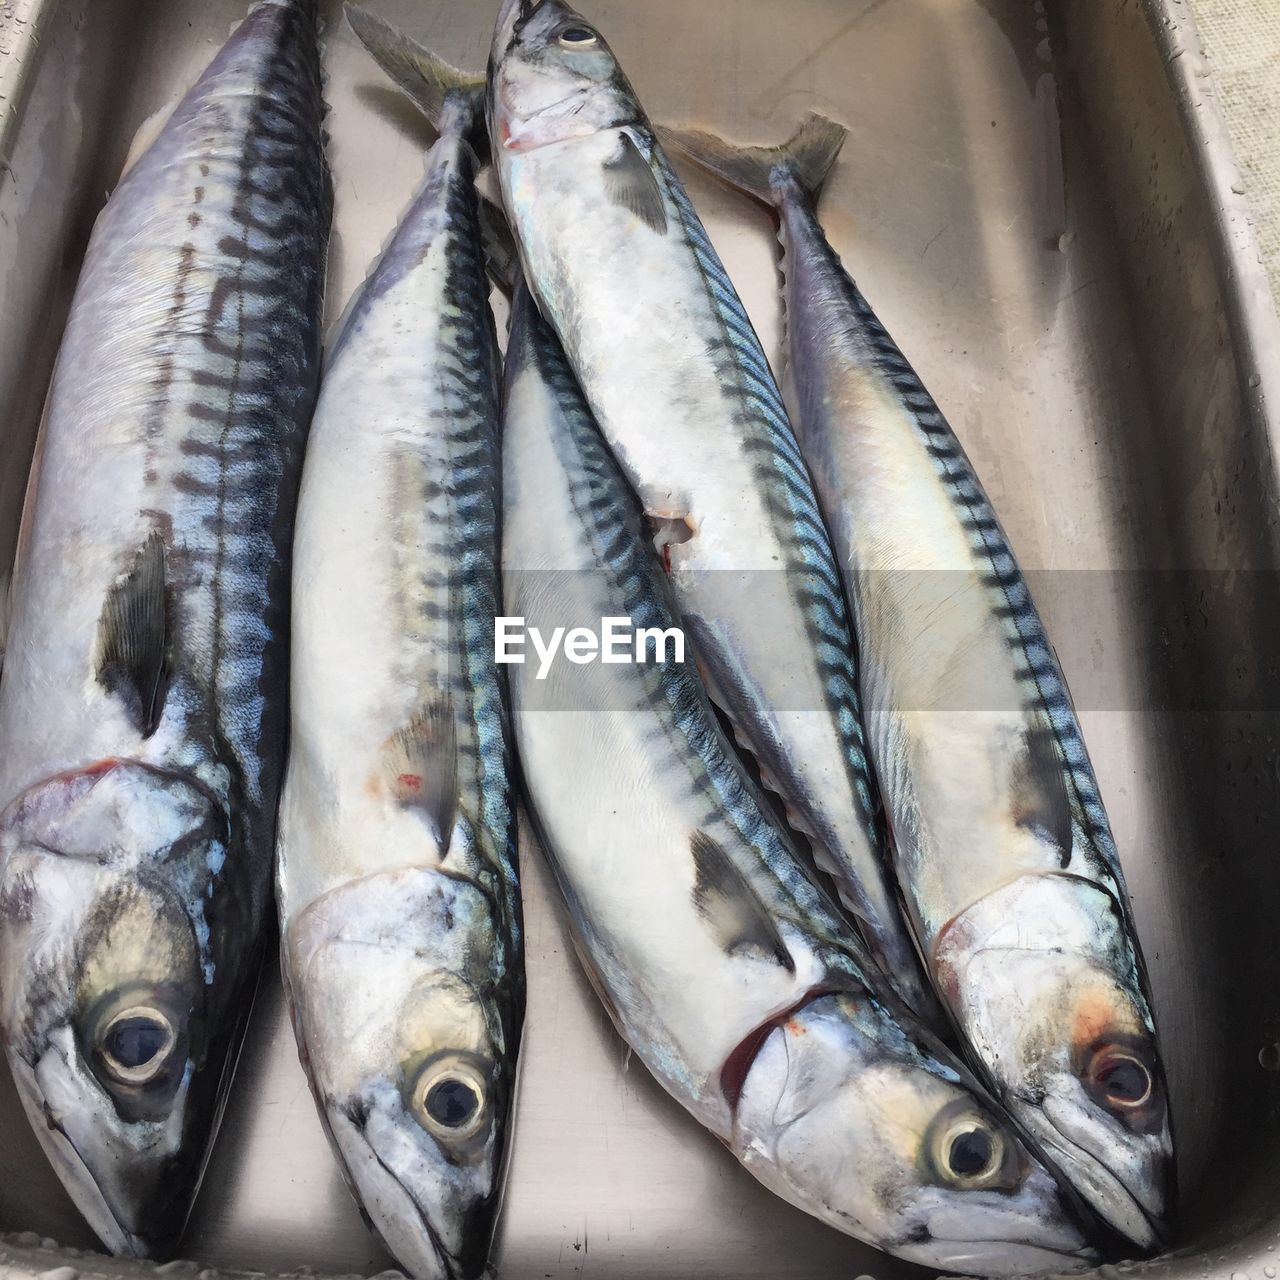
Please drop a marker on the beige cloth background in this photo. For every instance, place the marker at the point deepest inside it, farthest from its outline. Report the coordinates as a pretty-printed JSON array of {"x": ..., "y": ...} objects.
[{"x": 1242, "y": 42}]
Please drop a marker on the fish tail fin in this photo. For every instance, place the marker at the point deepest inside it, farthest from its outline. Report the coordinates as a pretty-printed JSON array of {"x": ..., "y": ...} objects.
[
  {"x": 807, "y": 157},
  {"x": 428, "y": 80}
]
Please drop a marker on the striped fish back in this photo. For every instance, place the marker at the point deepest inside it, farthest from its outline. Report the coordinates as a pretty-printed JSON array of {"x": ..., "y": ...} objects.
[
  {"x": 1038, "y": 672},
  {"x": 238, "y": 380},
  {"x": 811, "y": 569}
]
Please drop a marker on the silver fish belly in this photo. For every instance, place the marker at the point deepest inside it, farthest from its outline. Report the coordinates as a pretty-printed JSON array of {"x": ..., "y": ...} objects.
[
  {"x": 667, "y": 359},
  {"x": 143, "y": 701},
  {"x": 398, "y": 888},
  {"x": 1003, "y": 846},
  {"x": 735, "y": 980}
]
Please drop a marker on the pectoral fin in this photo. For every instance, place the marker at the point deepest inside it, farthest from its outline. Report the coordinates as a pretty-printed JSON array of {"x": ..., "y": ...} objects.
[
  {"x": 630, "y": 182},
  {"x": 1040, "y": 791},
  {"x": 133, "y": 637},
  {"x": 421, "y": 763},
  {"x": 730, "y": 905}
]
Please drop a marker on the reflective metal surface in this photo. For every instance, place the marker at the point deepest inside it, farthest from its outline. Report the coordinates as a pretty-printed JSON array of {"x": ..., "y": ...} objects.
[{"x": 1037, "y": 198}]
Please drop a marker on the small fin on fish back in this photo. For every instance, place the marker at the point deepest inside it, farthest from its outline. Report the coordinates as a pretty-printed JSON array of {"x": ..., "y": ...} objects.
[
  {"x": 428, "y": 80},
  {"x": 807, "y": 155},
  {"x": 420, "y": 763}
]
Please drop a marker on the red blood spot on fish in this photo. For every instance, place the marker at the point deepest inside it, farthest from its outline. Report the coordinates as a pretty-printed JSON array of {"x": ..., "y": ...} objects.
[
  {"x": 96, "y": 769},
  {"x": 410, "y": 781},
  {"x": 955, "y": 938}
]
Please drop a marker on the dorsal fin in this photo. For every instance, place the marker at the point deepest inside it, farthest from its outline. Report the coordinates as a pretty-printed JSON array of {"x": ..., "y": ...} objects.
[
  {"x": 133, "y": 637},
  {"x": 730, "y": 905},
  {"x": 630, "y": 182},
  {"x": 1040, "y": 791},
  {"x": 421, "y": 765}
]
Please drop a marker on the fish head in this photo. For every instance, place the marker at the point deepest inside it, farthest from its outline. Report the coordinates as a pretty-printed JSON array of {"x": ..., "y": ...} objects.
[
  {"x": 880, "y": 1134},
  {"x": 106, "y": 1003},
  {"x": 395, "y": 985},
  {"x": 552, "y": 78},
  {"x": 1047, "y": 986}
]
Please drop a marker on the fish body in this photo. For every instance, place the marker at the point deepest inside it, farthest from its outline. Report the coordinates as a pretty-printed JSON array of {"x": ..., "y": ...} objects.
[
  {"x": 143, "y": 704},
  {"x": 669, "y": 363},
  {"x": 1003, "y": 846},
  {"x": 735, "y": 979},
  {"x": 398, "y": 890}
]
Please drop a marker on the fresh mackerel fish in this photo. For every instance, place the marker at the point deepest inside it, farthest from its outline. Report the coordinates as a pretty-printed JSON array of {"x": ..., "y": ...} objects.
[
  {"x": 674, "y": 373},
  {"x": 738, "y": 983},
  {"x": 398, "y": 892},
  {"x": 143, "y": 704},
  {"x": 1003, "y": 846}
]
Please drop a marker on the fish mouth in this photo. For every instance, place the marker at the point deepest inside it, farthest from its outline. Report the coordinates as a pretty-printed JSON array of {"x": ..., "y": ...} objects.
[
  {"x": 1102, "y": 1190},
  {"x": 1005, "y": 1257},
  {"x": 75, "y": 1173},
  {"x": 97, "y": 1213},
  {"x": 398, "y": 1205},
  {"x": 511, "y": 20}
]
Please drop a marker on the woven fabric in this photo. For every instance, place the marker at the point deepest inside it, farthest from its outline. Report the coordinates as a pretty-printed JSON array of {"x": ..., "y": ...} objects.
[{"x": 1242, "y": 42}]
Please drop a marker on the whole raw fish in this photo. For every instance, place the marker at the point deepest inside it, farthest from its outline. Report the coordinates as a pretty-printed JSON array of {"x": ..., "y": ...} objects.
[
  {"x": 1003, "y": 846},
  {"x": 734, "y": 979},
  {"x": 675, "y": 375},
  {"x": 399, "y": 897},
  {"x": 143, "y": 705}
]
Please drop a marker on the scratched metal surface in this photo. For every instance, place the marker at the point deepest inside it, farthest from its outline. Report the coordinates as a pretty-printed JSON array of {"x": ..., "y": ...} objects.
[{"x": 1035, "y": 199}]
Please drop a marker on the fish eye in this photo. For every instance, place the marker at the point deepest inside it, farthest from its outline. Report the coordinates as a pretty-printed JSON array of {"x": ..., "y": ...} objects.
[
  {"x": 578, "y": 38},
  {"x": 1119, "y": 1079},
  {"x": 968, "y": 1152},
  {"x": 136, "y": 1045},
  {"x": 451, "y": 1098}
]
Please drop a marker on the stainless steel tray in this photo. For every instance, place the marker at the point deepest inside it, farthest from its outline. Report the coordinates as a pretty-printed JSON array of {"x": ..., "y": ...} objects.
[{"x": 1039, "y": 198}]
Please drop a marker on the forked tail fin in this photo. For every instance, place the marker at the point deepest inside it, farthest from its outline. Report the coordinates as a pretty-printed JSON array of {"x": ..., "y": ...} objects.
[
  {"x": 807, "y": 156},
  {"x": 428, "y": 80}
]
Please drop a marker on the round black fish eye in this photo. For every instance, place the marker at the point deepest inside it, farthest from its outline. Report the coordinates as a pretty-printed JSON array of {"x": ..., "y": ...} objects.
[
  {"x": 970, "y": 1153},
  {"x": 1121, "y": 1080},
  {"x": 577, "y": 37},
  {"x": 451, "y": 1102},
  {"x": 136, "y": 1045},
  {"x": 450, "y": 1097}
]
